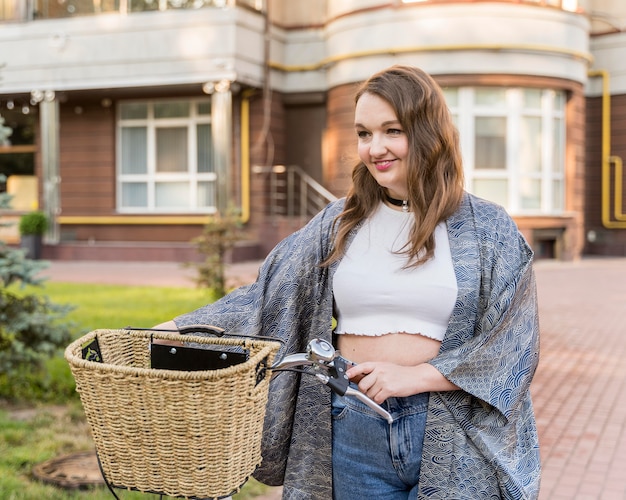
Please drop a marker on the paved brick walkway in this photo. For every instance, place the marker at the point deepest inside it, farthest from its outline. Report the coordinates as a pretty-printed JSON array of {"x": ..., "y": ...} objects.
[{"x": 579, "y": 390}]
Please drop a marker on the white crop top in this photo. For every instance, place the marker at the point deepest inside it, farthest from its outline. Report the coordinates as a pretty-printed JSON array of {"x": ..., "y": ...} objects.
[{"x": 375, "y": 296}]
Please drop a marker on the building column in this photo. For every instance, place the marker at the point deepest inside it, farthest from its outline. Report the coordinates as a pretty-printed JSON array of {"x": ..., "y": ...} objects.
[
  {"x": 51, "y": 180},
  {"x": 221, "y": 126}
]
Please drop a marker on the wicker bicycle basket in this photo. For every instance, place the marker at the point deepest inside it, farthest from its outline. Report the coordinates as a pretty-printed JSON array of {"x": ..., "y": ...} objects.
[{"x": 194, "y": 434}]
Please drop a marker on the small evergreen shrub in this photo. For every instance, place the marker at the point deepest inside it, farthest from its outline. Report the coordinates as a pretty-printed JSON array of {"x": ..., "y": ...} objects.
[
  {"x": 33, "y": 223},
  {"x": 32, "y": 329}
]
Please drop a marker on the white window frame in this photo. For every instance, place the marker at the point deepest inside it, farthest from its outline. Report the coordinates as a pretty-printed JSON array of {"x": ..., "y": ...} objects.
[
  {"x": 466, "y": 110},
  {"x": 151, "y": 177}
]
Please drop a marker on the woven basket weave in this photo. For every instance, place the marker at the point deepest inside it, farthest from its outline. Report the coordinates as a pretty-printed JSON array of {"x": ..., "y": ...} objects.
[{"x": 179, "y": 433}]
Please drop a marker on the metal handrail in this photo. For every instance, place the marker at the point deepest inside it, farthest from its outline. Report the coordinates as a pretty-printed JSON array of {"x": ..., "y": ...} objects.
[{"x": 294, "y": 193}]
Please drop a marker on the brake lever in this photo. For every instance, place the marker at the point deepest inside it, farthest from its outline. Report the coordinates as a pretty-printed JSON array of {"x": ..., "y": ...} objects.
[
  {"x": 340, "y": 384},
  {"x": 349, "y": 391},
  {"x": 322, "y": 355}
]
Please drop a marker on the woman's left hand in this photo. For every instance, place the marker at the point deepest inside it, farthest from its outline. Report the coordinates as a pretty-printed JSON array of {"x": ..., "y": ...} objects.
[{"x": 381, "y": 380}]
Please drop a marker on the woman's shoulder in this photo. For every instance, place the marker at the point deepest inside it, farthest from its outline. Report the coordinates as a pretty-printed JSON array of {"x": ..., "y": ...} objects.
[
  {"x": 493, "y": 225},
  {"x": 483, "y": 207},
  {"x": 335, "y": 207},
  {"x": 327, "y": 215},
  {"x": 486, "y": 215}
]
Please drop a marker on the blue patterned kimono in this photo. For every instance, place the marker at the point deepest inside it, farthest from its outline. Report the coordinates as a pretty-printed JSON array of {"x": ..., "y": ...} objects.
[{"x": 481, "y": 441}]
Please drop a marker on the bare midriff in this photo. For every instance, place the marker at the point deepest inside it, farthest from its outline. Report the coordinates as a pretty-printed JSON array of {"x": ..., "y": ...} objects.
[{"x": 399, "y": 348}]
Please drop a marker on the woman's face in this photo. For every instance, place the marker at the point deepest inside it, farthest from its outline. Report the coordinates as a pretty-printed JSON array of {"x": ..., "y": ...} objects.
[{"x": 382, "y": 144}]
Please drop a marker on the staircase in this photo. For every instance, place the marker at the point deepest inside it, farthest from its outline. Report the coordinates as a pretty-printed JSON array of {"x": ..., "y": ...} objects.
[{"x": 293, "y": 198}]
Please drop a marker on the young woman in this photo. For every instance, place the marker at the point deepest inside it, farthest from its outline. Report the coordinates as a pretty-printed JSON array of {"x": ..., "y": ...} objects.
[{"x": 434, "y": 297}]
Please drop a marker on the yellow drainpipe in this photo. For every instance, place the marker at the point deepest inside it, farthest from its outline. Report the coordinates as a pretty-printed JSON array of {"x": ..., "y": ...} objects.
[
  {"x": 618, "y": 218},
  {"x": 126, "y": 220},
  {"x": 575, "y": 54},
  {"x": 245, "y": 155},
  {"x": 618, "y": 213}
]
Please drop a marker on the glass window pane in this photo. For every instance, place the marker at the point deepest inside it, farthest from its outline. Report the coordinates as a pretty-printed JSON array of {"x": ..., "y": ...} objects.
[
  {"x": 204, "y": 108},
  {"x": 530, "y": 144},
  {"x": 490, "y": 143},
  {"x": 172, "y": 109},
  {"x": 452, "y": 96},
  {"x": 134, "y": 194},
  {"x": 188, "y": 4},
  {"x": 171, "y": 150},
  {"x": 559, "y": 101},
  {"x": 532, "y": 98},
  {"x": 495, "y": 190},
  {"x": 558, "y": 145},
  {"x": 204, "y": 149},
  {"x": 142, "y": 5},
  {"x": 530, "y": 196},
  {"x": 171, "y": 195},
  {"x": 558, "y": 199},
  {"x": 206, "y": 194},
  {"x": 134, "y": 150},
  {"x": 493, "y": 97},
  {"x": 133, "y": 111}
]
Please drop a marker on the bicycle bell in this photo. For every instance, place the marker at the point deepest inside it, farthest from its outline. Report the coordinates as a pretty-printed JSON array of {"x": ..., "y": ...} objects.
[{"x": 320, "y": 351}]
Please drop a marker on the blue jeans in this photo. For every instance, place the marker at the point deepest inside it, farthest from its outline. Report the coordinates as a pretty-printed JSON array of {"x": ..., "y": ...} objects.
[{"x": 373, "y": 459}]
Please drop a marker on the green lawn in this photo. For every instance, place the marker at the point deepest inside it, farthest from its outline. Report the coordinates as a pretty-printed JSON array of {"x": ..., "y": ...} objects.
[
  {"x": 32, "y": 432},
  {"x": 115, "y": 306}
]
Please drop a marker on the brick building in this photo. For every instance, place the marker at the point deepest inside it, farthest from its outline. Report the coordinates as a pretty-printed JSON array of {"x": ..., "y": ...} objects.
[{"x": 131, "y": 122}]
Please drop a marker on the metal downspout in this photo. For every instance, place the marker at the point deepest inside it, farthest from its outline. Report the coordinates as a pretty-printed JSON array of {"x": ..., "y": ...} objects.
[
  {"x": 245, "y": 155},
  {"x": 607, "y": 160}
]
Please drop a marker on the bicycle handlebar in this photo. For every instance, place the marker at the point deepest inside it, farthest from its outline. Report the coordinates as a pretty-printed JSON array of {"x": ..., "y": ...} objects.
[{"x": 330, "y": 368}]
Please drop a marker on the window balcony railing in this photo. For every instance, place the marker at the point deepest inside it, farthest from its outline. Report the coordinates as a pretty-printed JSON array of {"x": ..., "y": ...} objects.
[{"x": 27, "y": 10}]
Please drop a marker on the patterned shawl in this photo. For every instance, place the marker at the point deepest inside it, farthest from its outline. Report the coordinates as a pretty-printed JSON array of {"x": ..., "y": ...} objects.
[{"x": 481, "y": 441}]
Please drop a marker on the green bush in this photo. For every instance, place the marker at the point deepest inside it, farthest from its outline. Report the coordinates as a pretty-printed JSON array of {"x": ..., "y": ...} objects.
[
  {"x": 30, "y": 330},
  {"x": 33, "y": 223},
  {"x": 31, "y": 326}
]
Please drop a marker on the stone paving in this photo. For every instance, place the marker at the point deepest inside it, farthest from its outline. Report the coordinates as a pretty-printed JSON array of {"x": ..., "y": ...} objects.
[{"x": 579, "y": 391}]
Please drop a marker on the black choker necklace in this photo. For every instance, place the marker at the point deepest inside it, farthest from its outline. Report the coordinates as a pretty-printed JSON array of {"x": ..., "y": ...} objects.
[{"x": 398, "y": 203}]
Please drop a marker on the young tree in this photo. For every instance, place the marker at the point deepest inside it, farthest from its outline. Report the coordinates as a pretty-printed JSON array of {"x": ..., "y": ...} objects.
[{"x": 218, "y": 237}]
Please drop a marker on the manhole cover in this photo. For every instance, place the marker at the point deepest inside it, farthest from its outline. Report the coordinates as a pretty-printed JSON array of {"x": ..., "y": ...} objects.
[{"x": 73, "y": 471}]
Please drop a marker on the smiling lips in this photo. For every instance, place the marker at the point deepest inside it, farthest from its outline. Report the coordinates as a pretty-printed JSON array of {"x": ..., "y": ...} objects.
[{"x": 383, "y": 165}]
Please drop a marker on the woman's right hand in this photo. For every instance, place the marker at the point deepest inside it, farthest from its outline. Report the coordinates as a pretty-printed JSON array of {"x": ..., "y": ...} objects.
[{"x": 168, "y": 325}]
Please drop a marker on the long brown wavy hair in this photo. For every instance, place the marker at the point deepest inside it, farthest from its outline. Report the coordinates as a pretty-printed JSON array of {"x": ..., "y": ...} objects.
[{"x": 435, "y": 169}]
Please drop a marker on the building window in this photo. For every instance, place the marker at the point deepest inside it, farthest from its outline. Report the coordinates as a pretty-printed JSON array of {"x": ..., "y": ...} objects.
[
  {"x": 165, "y": 157},
  {"x": 13, "y": 10},
  {"x": 53, "y": 9},
  {"x": 513, "y": 143}
]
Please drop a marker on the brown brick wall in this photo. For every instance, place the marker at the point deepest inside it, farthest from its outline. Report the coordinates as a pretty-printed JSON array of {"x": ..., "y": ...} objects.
[
  {"x": 87, "y": 159},
  {"x": 341, "y": 139},
  {"x": 603, "y": 240}
]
